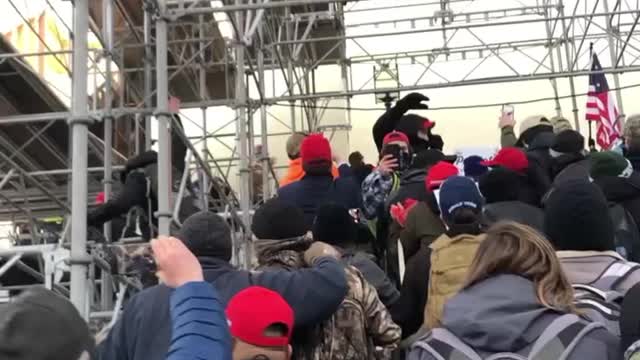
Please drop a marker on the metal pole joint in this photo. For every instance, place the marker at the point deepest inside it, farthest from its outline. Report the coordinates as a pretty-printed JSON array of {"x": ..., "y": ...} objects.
[
  {"x": 163, "y": 214},
  {"x": 80, "y": 260},
  {"x": 80, "y": 120}
]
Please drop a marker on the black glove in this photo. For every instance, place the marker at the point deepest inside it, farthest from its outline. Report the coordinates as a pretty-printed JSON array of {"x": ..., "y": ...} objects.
[{"x": 413, "y": 101}]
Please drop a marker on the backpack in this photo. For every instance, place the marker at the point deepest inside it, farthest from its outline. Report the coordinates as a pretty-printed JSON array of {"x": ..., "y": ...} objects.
[
  {"x": 450, "y": 260},
  {"x": 626, "y": 231},
  {"x": 599, "y": 301},
  {"x": 556, "y": 342},
  {"x": 630, "y": 322}
]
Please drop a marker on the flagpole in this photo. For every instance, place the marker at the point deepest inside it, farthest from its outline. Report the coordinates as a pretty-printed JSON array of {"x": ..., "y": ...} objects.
[{"x": 592, "y": 143}]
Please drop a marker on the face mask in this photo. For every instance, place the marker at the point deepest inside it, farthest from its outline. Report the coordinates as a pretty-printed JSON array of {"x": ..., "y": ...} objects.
[{"x": 423, "y": 135}]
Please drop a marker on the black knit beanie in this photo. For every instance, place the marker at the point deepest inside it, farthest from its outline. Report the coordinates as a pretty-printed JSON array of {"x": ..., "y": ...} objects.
[
  {"x": 568, "y": 142},
  {"x": 500, "y": 184},
  {"x": 277, "y": 220},
  {"x": 207, "y": 234},
  {"x": 577, "y": 218},
  {"x": 40, "y": 324},
  {"x": 334, "y": 225}
]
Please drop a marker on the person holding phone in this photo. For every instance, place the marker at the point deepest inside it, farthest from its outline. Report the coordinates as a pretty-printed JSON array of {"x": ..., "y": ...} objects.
[{"x": 395, "y": 158}]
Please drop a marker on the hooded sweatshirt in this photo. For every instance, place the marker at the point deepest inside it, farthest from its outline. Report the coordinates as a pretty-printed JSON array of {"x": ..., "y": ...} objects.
[{"x": 502, "y": 314}]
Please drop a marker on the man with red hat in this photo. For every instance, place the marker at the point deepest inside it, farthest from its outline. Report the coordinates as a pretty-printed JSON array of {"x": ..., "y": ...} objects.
[
  {"x": 318, "y": 185},
  {"x": 417, "y": 128},
  {"x": 395, "y": 158},
  {"x": 530, "y": 189},
  {"x": 260, "y": 322}
]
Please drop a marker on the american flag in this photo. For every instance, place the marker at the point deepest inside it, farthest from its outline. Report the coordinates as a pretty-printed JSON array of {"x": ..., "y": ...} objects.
[{"x": 601, "y": 107}]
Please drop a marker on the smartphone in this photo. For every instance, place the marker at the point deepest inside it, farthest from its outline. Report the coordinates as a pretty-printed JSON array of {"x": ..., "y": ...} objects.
[
  {"x": 507, "y": 110},
  {"x": 395, "y": 151}
]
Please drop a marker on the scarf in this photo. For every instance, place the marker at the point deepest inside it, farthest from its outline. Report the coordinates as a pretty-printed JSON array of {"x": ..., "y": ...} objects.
[{"x": 282, "y": 253}]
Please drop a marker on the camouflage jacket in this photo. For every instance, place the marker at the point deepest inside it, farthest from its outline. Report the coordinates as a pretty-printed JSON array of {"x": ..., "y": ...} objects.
[{"x": 361, "y": 328}]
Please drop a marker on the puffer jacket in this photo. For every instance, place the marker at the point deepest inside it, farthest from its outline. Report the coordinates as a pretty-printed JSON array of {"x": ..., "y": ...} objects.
[{"x": 503, "y": 314}]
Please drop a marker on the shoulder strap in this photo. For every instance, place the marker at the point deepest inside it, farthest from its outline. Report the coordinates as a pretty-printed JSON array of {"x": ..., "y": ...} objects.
[
  {"x": 559, "y": 339},
  {"x": 443, "y": 345},
  {"x": 616, "y": 273}
]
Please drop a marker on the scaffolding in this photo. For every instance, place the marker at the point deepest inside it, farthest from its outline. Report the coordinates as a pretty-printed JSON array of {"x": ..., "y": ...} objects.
[{"x": 153, "y": 49}]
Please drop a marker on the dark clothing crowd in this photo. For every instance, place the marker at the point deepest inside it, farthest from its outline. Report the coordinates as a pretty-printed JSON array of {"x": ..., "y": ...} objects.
[{"x": 530, "y": 254}]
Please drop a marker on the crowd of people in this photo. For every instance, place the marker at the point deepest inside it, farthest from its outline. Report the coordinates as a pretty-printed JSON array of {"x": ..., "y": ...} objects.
[{"x": 531, "y": 254}]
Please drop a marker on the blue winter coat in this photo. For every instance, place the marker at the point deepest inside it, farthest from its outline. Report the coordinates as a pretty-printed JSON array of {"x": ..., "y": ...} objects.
[{"x": 200, "y": 328}]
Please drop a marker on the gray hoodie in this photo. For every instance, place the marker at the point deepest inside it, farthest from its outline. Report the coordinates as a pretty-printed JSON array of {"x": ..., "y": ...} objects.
[{"x": 502, "y": 314}]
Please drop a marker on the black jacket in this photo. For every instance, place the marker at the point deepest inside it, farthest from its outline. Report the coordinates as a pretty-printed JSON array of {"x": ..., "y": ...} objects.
[
  {"x": 625, "y": 192},
  {"x": 540, "y": 171},
  {"x": 143, "y": 331},
  {"x": 571, "y": 167},
  {"x": 514, "y": 211},
  {"x": 310, "y": 192},
  {"x": 413, "y": 293}
]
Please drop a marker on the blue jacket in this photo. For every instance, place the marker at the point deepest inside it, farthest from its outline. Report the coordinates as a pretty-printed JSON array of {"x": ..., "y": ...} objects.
[
  {"x": 143, "y": 331},
  {"x": 199, "y": 325},
  {"x": 312, "y": 191}
]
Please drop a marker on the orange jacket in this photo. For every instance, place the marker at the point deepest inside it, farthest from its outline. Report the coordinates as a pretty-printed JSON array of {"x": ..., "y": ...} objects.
[{"x": 295, "y": 172}]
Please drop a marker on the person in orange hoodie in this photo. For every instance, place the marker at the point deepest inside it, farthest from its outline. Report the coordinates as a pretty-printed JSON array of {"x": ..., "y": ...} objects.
[{"x": 295, "y": 171}]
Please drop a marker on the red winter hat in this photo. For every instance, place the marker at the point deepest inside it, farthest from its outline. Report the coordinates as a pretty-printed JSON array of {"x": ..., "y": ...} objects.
[
  {"x": 395, "y": 136},
  {"x": 251, "y": 311},
  {"x": 439, "y": 173},
  {"x": 511, "y": 158},
  {"x": 315, "y": 147}
]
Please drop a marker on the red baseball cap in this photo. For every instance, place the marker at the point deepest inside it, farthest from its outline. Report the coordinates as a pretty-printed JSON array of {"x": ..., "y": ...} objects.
[
  {"x": 251, "y": 311},
  {"x": 395, "y": 136},
  {"x": 439, "y": 173},
  {"x": 511, "y": 158},
  {"x": 428, "y": 124},
  {"x": 315, "y": 147}
]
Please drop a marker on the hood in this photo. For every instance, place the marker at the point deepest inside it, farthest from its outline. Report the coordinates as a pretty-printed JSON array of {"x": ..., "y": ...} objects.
[
  {"x": 617, "y": 189},
  {"x": 413, "y": 176},
  {"x": 499, "y": 314}
]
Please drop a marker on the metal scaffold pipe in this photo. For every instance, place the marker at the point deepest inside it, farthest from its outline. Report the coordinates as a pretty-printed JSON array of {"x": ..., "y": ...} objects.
[
  {"x": 164, "y": 123},
  {"x": 79, "y": 131},
  {"x": 241, "y": 129},
  {"x": 241, "y": 7},
  {"x": 106, "y": 290}
]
